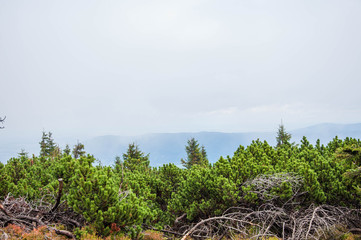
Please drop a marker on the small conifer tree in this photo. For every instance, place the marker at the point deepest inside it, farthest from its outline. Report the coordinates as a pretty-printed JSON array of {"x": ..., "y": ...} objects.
[
  {"x": 67, "y": 150},
  {"x": 23, "y": 153},
  {"x": 95, "y": 194},
  {"x": 134, "y": 158},
  {"x": 47, "y": 145},
  {"x": 78, "y": 150},
  {"x": 283, "y": 137},
  {"x": 195, "y": 155}
]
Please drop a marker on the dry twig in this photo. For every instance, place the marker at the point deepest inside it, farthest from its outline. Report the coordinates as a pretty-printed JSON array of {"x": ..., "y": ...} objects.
[
  {"x": 30, "y": 215},
  {"x": 268, "y": 220}
]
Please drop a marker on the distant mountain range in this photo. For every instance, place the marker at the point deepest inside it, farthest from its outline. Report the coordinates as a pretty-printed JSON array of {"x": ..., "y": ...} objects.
[{"x": 170, "y": 147}]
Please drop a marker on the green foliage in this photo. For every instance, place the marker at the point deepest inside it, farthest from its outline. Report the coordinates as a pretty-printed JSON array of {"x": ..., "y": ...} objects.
[
  {"x": 131, "y": 193},
  {"x": 258, "y": 158},
  {"x": 23, "y": 153},
  {"x": 166, "y": 181},
  {"x": 95, "y": 194},
  {"x": 47, "y": 145},
  {"x": 155, "y": 186},
  {"x": 169, "y": 178},
  {"x": 283, "y": 137},
  {"x": 78, "y": 150},
  {"x": 323, "y": 174},
  {"x": 4, "y": 181},
  {"x": 350, "y": 156},
  {"x": 118, "y": 165},
  {"x": 26, "y": 177},
  {"x": 195, "y": 155},
  {"x": 203, "y": 193},
  {"x": 134, "y": 158},
  {"x": 278, "y": 188},
  {"x": 67, "y": 150}
]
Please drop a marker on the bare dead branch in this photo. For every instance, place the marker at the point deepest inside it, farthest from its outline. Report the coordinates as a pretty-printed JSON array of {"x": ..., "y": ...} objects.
[
  {"x": 177, "y": 220},
  {"x": 63, "y": 232},
  {"x": 263, "y": 185},
  {"x": 32, "y": 215},
  {"x": 310, "y": 225},
  {"x": 213, "y": 219},
  {"x": 4, "y": 210},
  {"x": 1, "y": 121},
  {"x": 60, "y": 180},
  {"x": 313, "y": 222}
]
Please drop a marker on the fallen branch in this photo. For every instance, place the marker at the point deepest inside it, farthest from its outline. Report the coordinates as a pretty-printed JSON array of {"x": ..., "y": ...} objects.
[
  {"x": 212, "y": 219},
  {"x": 314, "y": 222},
  {"x": 4, "y": 210},
  {"x": 177, "y": 220},
  {"x": 29, "y": 216},
  {"x": 355, "y": 230},
  {"x": 310, "y": 225},
  {"x": 63, "y": 232}
]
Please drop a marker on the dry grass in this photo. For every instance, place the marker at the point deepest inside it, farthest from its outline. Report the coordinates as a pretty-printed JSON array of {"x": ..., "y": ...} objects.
[
  {"x": 153, "y": 235},
  {"x": 16, "y": 232}
]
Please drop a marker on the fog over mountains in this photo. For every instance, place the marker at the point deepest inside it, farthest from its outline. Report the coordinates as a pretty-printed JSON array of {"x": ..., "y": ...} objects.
[{"x": 170, "y": 147}]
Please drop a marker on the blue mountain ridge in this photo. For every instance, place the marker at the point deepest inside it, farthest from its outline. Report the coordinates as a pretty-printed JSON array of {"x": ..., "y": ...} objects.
[
  {"x": 170, "y": 147},
  {"x": 166, "y": 148}
]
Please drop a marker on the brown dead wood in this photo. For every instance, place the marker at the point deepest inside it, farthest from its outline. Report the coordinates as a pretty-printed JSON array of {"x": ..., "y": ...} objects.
[
  {"x": 313, "y": 222},
  {"x": 31, "y": 215}
]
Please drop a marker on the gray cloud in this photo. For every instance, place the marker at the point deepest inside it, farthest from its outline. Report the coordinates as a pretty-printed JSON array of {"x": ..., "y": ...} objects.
[{"x": 130, "y": 67}]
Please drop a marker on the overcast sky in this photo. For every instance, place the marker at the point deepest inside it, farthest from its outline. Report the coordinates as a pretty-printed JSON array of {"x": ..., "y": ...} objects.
[{"x": 87, "y": 68}]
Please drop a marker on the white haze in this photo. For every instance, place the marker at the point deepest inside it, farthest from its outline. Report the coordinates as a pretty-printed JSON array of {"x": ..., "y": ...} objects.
[{"x": 87, "y": 68}]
